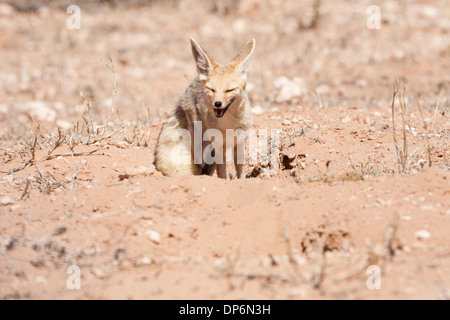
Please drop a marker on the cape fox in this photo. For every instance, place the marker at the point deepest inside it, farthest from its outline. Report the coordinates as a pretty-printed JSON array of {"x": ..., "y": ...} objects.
[{"x": 216, "y": 99}]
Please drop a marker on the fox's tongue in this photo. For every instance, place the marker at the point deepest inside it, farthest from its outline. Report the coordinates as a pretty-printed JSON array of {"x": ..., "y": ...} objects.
[{"x": 219, "y": 112}]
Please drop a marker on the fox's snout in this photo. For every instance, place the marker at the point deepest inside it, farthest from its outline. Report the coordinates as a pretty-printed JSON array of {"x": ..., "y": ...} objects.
[{"x": 220, "y": 109}]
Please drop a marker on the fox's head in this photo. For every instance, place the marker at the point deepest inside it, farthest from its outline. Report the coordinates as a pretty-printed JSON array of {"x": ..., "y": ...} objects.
[{"x": 223, "y": 84}]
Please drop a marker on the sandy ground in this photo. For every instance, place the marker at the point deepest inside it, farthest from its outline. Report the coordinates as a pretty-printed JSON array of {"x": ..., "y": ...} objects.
[{"x": 89, "y": 196}]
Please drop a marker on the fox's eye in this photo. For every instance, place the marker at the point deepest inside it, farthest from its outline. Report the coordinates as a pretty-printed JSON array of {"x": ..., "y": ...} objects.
[
  {"x": 231, "y": 90},
  {"x": 211, "y": 89}
]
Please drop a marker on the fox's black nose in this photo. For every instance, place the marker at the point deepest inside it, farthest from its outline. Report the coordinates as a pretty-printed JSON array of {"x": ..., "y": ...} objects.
[{"x": 217, "y": 104}]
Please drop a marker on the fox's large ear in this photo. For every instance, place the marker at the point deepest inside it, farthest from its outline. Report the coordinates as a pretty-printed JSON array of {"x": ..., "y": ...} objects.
[
  {"x": 241, "y": 61},
  {"x": 204, "y": 61}
]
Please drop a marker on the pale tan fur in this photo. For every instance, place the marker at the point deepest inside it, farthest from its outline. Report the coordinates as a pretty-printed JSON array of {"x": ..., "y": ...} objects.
[{"x": 215, "y": 82}]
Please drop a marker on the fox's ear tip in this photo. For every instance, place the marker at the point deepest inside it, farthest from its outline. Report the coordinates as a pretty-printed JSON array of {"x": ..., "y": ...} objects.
[{"x": 251, "y": 43}]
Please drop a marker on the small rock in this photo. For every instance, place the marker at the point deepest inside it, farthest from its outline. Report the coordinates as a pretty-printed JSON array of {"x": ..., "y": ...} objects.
[
  {"x": 40, "y": 110},
  {"x": 3, "y": 108},
  {"x": 285, "y": 122},
  {"x": 220, "y": 263},
  {"x": 421, "y": 163},
  {"x": 368, "y": 121},
  {"x": 5, "y": 201},
  {"x": 8, "y": 178},
  {"x": 98, "y": 272},
  {"x": 16, "y": 207},
  {"x": 122, "y": 144},
  {"x": 323, "y": 89},
  {"x": 65, "y": 125},
  {"x": 289, "y": 89},
  {"x": 398, "y": 54},
  {"x": 137, "y": 171},
  {"x": 361, "y": 83},
  {"x": 6, "y": 10},
  {"x": 346, "y": 119},
  {"x": 430, "y": 12},
  {"x": 153, "y": 236},
  {"x": 257, "y": 110},
  {"x": 422, "y": 235}
]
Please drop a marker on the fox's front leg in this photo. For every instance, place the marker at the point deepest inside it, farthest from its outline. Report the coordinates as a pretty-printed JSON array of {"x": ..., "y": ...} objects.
[
  {"x": 239, "y": 163},
  {"x": 240, "y": 170},
  {"x": 222, "y": 166},
  {"x": 210, "y": 169},
  {"x": 221, "y": 170}
]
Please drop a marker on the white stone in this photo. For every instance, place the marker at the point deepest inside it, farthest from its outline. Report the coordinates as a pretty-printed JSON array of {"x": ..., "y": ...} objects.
[
  {"x": 289, "y": 89},
  {"x": 323, "y": 89},
  {"x": 3, "y": 108},
  {"x": 346, "y": 119},
  {"x": 146, "y": 260},
  {"x": 240, "y": 26},
  {"x": 6, "y": 10},
  {"x": 39, "y": 110},
  {"x": 154, "y": 236},
  {"x": 430, "y": 11},
  {"x": 6, "y": 201},
  {"x": 257, "y": 110},
  {"x": 422, "y": 235},
  {"x": 65, "y": 125}
]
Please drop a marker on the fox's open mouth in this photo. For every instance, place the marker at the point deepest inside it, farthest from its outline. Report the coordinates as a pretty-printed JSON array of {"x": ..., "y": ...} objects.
[{"x": 220, "y": 112}]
